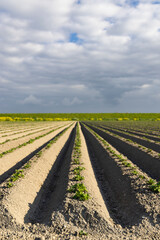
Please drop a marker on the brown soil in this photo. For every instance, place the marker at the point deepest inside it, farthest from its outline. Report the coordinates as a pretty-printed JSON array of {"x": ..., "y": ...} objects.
[
  {"x": 10, "y": 160},
  {"x": 21, "y": 127},
  {"x": 23, "y": 133},
  {"x": 136, "y": 133},
  {"x": 40, "y": 207},
  {"x": 15, "y": 143},
  {"x": 146, "y": 162},
  {"x": 22, "y": 196},
  {"x": 149, "y": 144},
  {"x": 124, "y": 193}
]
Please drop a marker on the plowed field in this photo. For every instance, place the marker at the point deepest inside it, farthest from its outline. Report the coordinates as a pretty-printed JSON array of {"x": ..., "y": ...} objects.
[{"x": 70, "y": 180}]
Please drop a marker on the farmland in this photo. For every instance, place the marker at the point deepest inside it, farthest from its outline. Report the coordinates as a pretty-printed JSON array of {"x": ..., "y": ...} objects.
[{"x": 83, "y": 179}]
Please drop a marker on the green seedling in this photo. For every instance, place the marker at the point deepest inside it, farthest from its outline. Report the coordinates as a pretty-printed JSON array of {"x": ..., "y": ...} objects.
[
  {"x": 133, "y": 168},
  {"x": 76, "y": 161},
  {"x": 78, "y": 151},
  {"x": 82, "y": 233},
  {"x": 77, "y": 172},
  {"x": 39, "y": 154},
  {"x": 155, "y": 187},
  {"x": 48, "y": 145},
  {"x": 77, "y": 145},
  {"x": 127, "y": 164},
  {"x": 78, "y": 177},
  {"x": 141, "y": 176},
  {"x": 120, "y": 156},
  {"x": 5, "y": 141},
  {"x": 151, "y": 181},
  {"x": 77, "y": 187},
  {"x": 112, "y": 151},
  {"x": 9, "y": 184},
  {"x": 122, "y": 160},
  {"x": 81, "y": 196},
  {"x": 18, "y": 174},
  {"x": 30, "y": 141},
  {"x": 135, "y": 172},
  {"x": 149, "y": 150},
  {"x": 78, "y": 169},
  {"x": 27, "y": 165}
]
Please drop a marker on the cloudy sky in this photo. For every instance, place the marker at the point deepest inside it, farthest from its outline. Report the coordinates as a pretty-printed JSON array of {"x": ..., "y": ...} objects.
[{"x": 79, "y": 56}]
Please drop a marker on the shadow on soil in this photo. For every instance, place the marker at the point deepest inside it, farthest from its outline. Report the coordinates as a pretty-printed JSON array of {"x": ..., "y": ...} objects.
[
  {"x": 144, "y": 161},
  {"x": 52, "y": 193},
  {"x": 8, "y": 173},
  {"x": 117, "y": 193}
]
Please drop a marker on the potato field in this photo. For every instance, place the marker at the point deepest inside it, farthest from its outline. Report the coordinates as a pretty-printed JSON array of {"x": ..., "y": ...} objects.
[{"x": 80, "y": 180}]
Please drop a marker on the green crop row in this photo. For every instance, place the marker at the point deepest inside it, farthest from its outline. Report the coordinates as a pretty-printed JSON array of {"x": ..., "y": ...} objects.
[
  {"x": 19, "y": 173},
  {"x": 26, "y": 143},
  {"x": 79, "y": 189},
  {"x": 8, "y": 140}
]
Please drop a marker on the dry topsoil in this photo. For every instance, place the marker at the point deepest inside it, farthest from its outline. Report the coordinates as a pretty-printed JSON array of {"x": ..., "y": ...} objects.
[{"x": 120, "y": 205}]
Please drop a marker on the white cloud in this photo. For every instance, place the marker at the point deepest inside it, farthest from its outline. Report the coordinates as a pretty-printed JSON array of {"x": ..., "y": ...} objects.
[
  {"x": 79, "y": 87},
  {"x": 3, "y": 80},
  {"x": 115, "y": 57},
  {"x": 145, "y": 86},
  {"x": 31, "y": 100},
  {"x": 69, "y": 102}
]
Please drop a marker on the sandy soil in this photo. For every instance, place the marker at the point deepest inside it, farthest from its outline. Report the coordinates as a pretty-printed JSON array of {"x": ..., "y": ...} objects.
[
  {"x": 25, "y": 132},
  {"x": 90, "y": 181},
  {"x": 120, "y": 206},
  {"x": 145, "y": 142},
  {"x": 15, "y": 143},
  {"x": 21, "y": 127},
  {"x": 147, "y": 162},
  {"x": 128, "y": 192},
  {"x": 13, "y": 130},
  {"x": 11, "y": 159},
  {"x": 22, "y": 196},
  {"x": 136, "y": 133}
]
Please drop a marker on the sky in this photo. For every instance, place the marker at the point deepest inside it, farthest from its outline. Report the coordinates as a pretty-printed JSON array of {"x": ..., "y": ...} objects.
[{"x": 79, "y": 56}]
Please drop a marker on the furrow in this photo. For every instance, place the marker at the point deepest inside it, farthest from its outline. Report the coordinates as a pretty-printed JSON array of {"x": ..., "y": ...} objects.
[
  {"x": 24, "y": 128},
  {"x": 15, "y": 131},
  {"x": 142, "y": 134},
  {"x": 90, "y": 180},
  {"x": 116, "y": 187},
  {"x": 140, "y": 127},
  {"x": 144, "y": 142},
  {"x": 24, "y": 134},
  {"x": 24, "y": 199},
  {"x": 52, "y": 193},
  {"x": 14, "y": 144},
  {"x": 17, "y": 158},
  {"x": 144, "y": 161}
]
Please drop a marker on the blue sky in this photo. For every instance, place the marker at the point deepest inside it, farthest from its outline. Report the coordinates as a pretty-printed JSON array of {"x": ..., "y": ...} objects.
[{"x": 79, "y": 56}]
